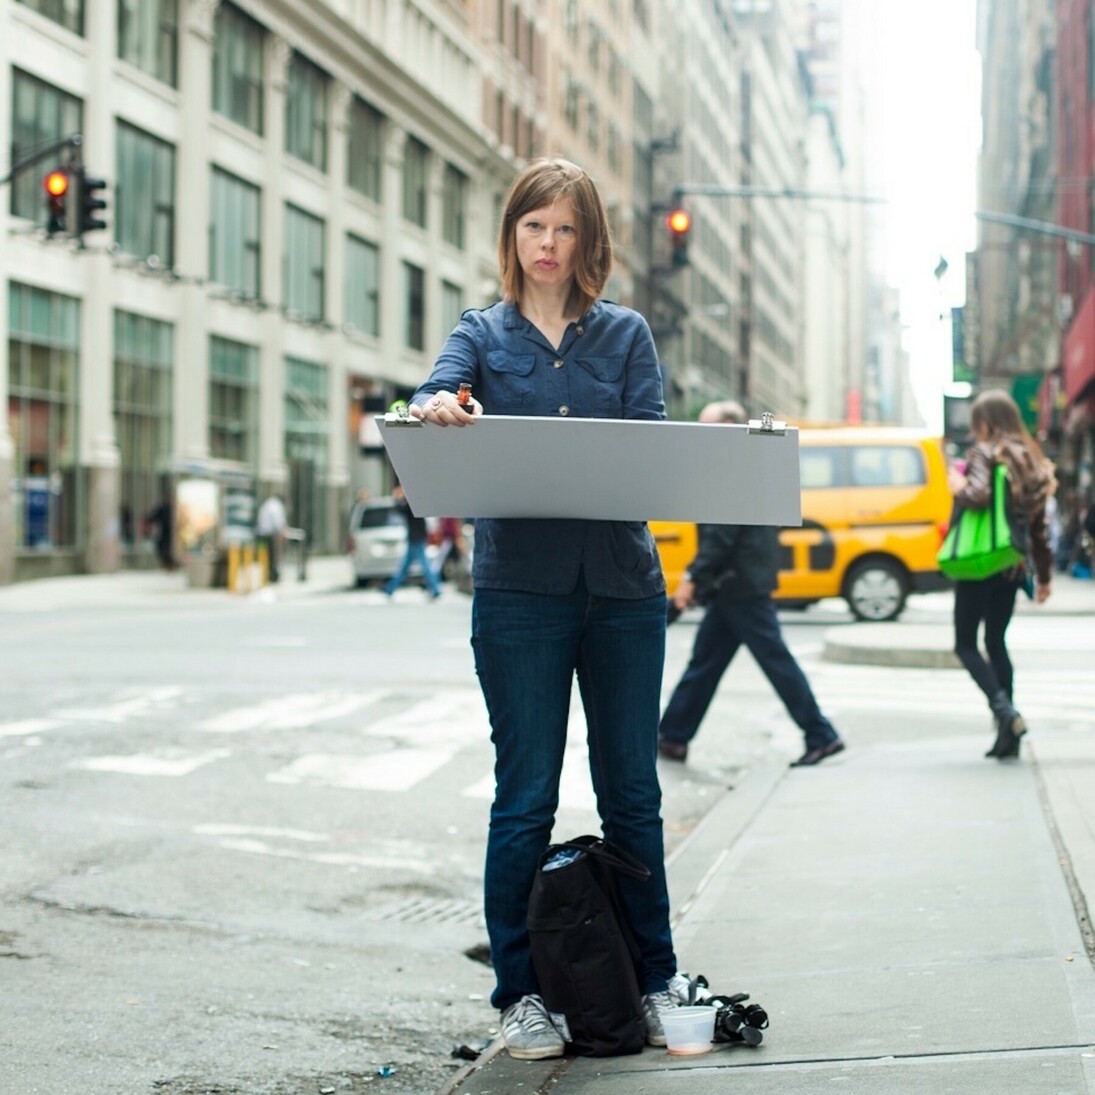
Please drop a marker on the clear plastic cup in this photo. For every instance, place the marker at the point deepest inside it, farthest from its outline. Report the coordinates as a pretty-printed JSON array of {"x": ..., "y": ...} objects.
[{"x": 688, "y": 1029}]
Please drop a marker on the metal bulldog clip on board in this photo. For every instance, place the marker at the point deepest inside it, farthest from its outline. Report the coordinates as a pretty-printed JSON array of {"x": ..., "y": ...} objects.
[{"x": 607, "y": 469}]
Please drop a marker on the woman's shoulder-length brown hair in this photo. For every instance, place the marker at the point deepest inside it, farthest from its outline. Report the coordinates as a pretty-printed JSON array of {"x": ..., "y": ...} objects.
[{"x": 543, "y": 183}]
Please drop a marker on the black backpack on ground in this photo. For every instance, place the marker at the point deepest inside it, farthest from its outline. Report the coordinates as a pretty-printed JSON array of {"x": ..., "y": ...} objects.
[{"x": 582, "y": 949}]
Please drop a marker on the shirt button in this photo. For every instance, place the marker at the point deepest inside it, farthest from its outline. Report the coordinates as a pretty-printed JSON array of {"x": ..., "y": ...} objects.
[
  {"x": 580, "y": 330},
  {"x": 558, "y": 363},
  {"x": 564, "y": 410}
]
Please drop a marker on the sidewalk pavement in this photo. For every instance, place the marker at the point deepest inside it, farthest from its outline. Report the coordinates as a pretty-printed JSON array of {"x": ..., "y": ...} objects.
[
  {"x": 158, "y": 588},
  {"x": 913, "y": 917}
]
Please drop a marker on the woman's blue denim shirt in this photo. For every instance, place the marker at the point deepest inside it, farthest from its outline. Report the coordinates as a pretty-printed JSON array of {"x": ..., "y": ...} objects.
[{"x": 605, "y": 367}]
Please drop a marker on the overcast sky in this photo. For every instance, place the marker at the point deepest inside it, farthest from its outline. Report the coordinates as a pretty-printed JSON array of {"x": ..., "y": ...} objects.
[{"x": 929, "y": 73}]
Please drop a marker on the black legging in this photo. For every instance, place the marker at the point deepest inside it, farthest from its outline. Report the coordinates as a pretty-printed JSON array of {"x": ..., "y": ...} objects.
[{"x": 991, "y": 600}]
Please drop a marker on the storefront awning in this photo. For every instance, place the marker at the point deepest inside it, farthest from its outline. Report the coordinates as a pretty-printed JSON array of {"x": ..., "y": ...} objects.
[{"x": 1079, "y": 353}]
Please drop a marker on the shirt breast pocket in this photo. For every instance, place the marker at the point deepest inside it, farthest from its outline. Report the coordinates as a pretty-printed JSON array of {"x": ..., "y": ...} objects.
[
  {"x": 511, "y": 375},
  {"x": 602, "y": 384}
]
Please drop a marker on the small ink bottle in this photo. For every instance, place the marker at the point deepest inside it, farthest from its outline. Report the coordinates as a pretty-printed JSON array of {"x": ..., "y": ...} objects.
[{"x": 463, "y": 397}]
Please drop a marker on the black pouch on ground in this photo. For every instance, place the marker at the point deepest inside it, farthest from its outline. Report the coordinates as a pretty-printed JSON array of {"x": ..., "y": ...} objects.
[{"x": 582, "y": 949}]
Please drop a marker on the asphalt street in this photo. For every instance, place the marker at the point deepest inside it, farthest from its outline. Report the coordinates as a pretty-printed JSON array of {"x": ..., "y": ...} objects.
[{"x": 244, "y": 836}]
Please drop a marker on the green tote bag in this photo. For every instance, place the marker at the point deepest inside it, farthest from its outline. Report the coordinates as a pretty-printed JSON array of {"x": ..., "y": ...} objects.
[{"x": 983, "y": 542}]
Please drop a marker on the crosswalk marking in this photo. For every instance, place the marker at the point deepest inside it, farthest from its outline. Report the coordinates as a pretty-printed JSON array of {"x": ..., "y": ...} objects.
[
  {"x": 166, "y": 763},
  {"x": 26, "y": 727},
  {"x": 131, "y": 704},
  {"x": 395, "y": 770},
  {"x": 293, "y": 712}
]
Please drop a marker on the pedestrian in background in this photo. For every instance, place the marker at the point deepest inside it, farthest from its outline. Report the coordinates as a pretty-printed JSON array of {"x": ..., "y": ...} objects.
[
  {"x": 1000, "y": 438},
  {"x": 162, "y": 518},
  {"x": 270, "y": 524},
  {"x": 734, "y": 574},
  {"x": 559, "y": 598},
  {"x": 416, "y": 548}
]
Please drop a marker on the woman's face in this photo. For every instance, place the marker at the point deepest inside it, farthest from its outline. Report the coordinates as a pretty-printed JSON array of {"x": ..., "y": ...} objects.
[{"x": 547, "y": 245}]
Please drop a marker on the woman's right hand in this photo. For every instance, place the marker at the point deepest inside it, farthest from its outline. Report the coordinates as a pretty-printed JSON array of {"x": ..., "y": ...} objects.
[{"x": 442, "y": 410}]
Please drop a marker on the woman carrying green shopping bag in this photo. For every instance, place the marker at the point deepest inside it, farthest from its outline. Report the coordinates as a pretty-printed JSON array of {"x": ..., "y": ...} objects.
[{"x": 1000, "y": 439}]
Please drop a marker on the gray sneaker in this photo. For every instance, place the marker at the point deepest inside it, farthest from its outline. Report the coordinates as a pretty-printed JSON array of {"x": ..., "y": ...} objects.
[
  {"x": 654, "y": 1004},
  {"x": 528, "y": 1031}
]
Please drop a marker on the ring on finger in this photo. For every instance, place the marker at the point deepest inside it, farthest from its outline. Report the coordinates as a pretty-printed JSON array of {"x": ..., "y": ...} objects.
[{"x": 437, "y": 402}]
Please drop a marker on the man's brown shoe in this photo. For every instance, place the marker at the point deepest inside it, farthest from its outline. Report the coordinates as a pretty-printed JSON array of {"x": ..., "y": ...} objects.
[
  {"x": 672, "y": 750},
  {"x": 815, "y": 756}
]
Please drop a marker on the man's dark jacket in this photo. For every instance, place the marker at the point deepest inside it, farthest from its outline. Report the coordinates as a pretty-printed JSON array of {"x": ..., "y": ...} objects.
[{"x": 735, "y": 562}]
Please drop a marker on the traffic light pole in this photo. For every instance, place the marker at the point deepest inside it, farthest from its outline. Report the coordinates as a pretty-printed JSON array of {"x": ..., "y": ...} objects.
[{"x": 73, "y": 141}]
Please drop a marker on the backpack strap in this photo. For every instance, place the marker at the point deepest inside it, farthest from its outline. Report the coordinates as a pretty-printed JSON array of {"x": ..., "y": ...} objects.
[{"x": 606, "y": 853}]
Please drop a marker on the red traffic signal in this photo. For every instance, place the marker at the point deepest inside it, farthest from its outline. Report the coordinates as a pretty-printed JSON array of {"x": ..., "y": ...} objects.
[
  {"x": 679, "y": 223},
  {"x": 56, "y": 185}
]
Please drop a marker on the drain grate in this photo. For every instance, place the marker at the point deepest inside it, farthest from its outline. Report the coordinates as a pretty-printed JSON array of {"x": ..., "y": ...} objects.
[{"x": 422, "y": 910}]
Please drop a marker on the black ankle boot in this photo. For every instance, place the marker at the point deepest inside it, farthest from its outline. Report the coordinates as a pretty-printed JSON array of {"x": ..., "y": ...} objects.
[{"x": 1010, "y": 727}]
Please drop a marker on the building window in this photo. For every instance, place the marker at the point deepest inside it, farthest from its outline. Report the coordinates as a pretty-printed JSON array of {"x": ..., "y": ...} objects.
[
  {"x": 452, "y": 305},
  {"x": 363, "y": 285},
  {"x": 238, "y": 72},
  {"x": 306, "y": 441},
  {"x": 416, "y": 158},
  {"x": 593, "y": 126},
  {"x": 143, "y": 358},
  {"x": 43, "y": 364},
  {"x": 454, "y": 199},
  {"x": 365, "y": 158},
  {"x": 235, "y": 249},
  {"x": 414, "y": 280},
  {"x": 40, "y": 114},
  {"x": 612, "y": 146},
  {"x": 570, "y": 102},
  {"x": 571, "y": 21},
  {"x": 144, "y": 195},
  {"x": 69, "y": 13},
  {"x": 306, "y": 112},
  {"x": 148, "y": 37},
  {"x": 305, "y": 258},
  {"x": 233, "y": 401}
]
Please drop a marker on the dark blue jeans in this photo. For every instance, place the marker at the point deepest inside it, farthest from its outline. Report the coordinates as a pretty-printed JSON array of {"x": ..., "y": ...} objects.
[
  {"x": 724, "y": 628},
  {"x": 528, "y": 648}
]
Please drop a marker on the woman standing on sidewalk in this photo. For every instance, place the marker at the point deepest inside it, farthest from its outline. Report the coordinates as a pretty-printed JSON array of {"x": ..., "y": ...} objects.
[
  {"x": 559, "y": 599},
  {"x": 1000, "y": 438}
]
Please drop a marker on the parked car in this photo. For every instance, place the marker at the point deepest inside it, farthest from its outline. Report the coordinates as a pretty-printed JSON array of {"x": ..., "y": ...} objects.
[
  {"x": 875, "y": 508},
  {"x": 376, "y": 540}
]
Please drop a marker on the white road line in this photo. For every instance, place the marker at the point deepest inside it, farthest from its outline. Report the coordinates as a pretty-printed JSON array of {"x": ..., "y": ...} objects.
[
  {"x": 214, "y": 829},
  {"x": 23, "y": 727},
  {"x": 131, "y": 704},
  {"x": 167, "y": 763},
  {"x": 291, "y": 712},
  {"x": 442, "y": 720},
  {"x": 394, "y": 862},
  {"x": 395, "y": 770}
]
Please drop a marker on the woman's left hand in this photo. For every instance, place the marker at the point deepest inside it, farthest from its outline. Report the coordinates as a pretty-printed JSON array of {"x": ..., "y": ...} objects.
[
  {"x": 1041, "y": 593},
  {"x": 443, "y": 410}
]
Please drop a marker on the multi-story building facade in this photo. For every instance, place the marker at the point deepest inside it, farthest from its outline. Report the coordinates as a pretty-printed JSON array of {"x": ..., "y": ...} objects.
[
  {"x": 1018, "y": 308},
  {"x": 1073, "y": 427},
  {"x": 302, "y": 199}
]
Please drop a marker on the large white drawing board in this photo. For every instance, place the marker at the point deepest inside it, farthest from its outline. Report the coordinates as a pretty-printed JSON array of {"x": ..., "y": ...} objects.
[{"x": 599, "y": 468}]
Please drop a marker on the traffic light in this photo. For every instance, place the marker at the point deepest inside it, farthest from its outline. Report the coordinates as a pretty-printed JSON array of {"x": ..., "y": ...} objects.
[
  {"x": 679, "y": 223},
  {"x": 56, "y": 185},
  {"x": 90, "y": 203}
]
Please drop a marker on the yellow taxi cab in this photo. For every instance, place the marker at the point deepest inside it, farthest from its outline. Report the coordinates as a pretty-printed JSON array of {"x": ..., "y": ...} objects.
[{"x": 875, "y": 508}]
